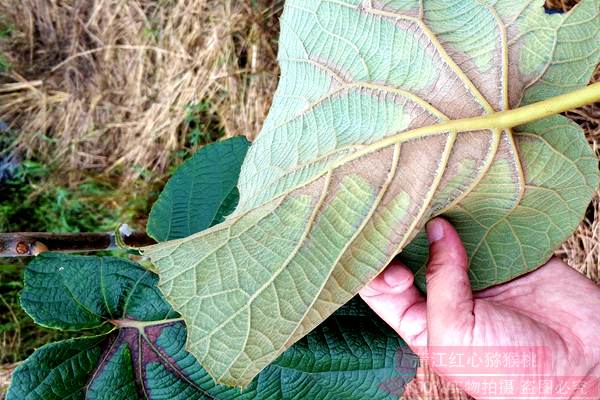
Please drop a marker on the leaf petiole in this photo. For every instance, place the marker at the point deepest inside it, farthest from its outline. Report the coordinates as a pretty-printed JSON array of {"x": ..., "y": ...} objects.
[
  {"x": 497, "y": 120},
  {"x": 141, "y": 325}
]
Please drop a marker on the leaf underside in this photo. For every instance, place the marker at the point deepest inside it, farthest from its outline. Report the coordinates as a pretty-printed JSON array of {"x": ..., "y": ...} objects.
[
  {"x": 353, "y": 355},
  {"x": 324, "y": 204}
]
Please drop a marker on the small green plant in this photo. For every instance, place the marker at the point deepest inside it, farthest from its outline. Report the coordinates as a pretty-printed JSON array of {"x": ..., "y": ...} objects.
[
  {"x": 4, "y": 63},
  {"x": 5, "y": 32},
  {"x": 34, "y": 202},
  {"x": 201, "y": 124}
]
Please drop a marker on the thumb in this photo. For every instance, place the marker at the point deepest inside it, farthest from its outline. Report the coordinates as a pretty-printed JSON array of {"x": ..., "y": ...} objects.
[{"x": 449, "y": 297}]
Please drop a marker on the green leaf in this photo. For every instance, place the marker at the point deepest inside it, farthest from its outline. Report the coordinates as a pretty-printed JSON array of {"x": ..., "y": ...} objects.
[
  {"x": 559, "y": 172},
  {"x": 201, "y": 193},
  {"x": 353, "y": 355},
  {"x": 387, "y": 114},
  {"x": 75, "y": 292}
]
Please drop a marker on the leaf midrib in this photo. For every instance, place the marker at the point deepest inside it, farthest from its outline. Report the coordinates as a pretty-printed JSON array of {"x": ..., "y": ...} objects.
[{"x": 497, "y": 120}]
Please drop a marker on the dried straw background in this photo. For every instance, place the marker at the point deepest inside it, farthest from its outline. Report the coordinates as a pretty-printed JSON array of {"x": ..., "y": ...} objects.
[{"x": 102, "y": 86}]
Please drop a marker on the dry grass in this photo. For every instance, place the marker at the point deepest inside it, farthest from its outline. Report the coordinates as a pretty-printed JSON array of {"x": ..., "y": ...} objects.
[
  {"x": 582, "y": 250},
  {"x": 5, "y": 373},
  {"x": 105, "y": 85}
]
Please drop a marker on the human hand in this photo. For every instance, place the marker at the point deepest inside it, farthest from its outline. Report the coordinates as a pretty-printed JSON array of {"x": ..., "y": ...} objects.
[{"x": 553, "y": 307}]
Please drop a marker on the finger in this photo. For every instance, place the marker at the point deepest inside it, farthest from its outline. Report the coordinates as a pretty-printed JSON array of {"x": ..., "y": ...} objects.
[
  {"x": 449, "y": 295},
  {"x": 396, "y": 278},
  {"x": 394, "y": 297}
]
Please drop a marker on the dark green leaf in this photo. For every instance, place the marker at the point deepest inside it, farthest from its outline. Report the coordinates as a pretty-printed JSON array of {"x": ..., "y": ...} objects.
[
  {"x": 201, "y": 193},
  {"x": 353, "y": 355},
  {"x": 76, "y": 292},
  {"x": 57, "y": 370}
]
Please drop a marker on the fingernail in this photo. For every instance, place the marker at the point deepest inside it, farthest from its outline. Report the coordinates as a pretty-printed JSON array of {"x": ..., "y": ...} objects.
[
  {"x": 435, "y": 230},
  {"x": 395, "y": 276}
]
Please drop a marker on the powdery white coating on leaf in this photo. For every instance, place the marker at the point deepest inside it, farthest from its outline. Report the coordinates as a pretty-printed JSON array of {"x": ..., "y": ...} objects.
[{"x": 324, "y": 205}]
